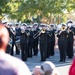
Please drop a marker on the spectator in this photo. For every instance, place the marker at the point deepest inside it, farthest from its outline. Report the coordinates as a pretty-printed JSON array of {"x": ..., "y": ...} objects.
[
  {"x": 47, "y": 68},
  {"x": 72, "y": 68},
  {"x": 36, "y": 71},
  {"x": 9, "y": 65}
]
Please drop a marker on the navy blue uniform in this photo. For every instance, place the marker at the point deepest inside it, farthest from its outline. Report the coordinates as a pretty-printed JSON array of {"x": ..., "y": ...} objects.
[
  {"x": 70, "y": 41},
  {"x": 24, "y": 45},
  {"x": 35, "y": 43},
  {"x": 30, "y": 43},
  {"x": 43, "y": 46},
  {"x": 18, "y": 33},
  {"x": 52, "y": 42},
  {"x": 62, "y": 43},
  {"x": 49, "y": 34},
  {"x": 8, "y": 50}
]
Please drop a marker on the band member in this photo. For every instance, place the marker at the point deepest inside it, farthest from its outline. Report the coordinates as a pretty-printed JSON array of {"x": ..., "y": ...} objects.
[
  {"x": 35, "y": 43},
  {"x": 18, "y": 33},
  {"x": 13, "y": 39},
  {"x": 8, "y": 50},
  {"x": 70, "y": 41},
  {"x": 62, "y": 42},
  {"x": 23, "y": 43},
  {"x": 30, "y": 43},
  {"x": 49, "y": 35},
  {"x": 52, "y": 40},
  {"x": 43, "y": 42}
]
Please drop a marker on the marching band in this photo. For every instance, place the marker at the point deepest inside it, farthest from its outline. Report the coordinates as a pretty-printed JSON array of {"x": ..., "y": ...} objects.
[{"x": 27, "y": 38}]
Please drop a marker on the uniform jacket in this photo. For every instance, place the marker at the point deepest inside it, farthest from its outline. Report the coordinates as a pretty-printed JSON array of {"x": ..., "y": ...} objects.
[
  {"x": 49, "y": 35},
  {"x": 62, "y": 38},
  {"x": 43, "y": 38},
  {"x": 53, "y": 35},
  {"x": 24, "y": 38}
]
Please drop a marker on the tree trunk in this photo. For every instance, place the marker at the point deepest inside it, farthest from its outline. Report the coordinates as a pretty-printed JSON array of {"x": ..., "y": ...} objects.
[
  {"x": 50, "y": 19},
  {"x": 58, "y": 19},
  {"x": 0, "y": 21}
]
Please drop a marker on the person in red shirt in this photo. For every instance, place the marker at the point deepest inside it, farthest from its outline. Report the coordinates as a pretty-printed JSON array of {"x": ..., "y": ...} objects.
[{"x": 72, "y": 68}]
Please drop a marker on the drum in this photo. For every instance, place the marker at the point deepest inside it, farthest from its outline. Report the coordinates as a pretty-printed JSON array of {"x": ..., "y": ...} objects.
[{"x": 17, "y": 42}]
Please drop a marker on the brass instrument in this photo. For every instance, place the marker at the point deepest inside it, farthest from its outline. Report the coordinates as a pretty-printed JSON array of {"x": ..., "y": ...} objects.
[
  {"x": 12, "y": 31},
  {"x": 43, "y": 31},
  {"x": 63, "y": 29},
  {"x": 38, "y": 33},
  {"x": 69, "y": 30},
  {"x": 10, "y": 42},
  {"x": 28, "y": 34}
]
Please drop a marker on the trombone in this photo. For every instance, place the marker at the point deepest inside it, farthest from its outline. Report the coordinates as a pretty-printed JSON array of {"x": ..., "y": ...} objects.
[{"x": 38, "y": 33}]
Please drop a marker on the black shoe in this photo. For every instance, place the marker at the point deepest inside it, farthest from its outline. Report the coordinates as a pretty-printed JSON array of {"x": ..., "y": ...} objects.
[
  {"x": 47, "y": 56},
  {"x": 70, "y": 57},
  {"x": 28, "y": 56},
  {"x": 17, "y": 53},
  {"x": 61, "y": 61},
  {"x": 35, "y": 54},
  {"x": 24, "y": 59},
  {"x": 43, "y": 60}
]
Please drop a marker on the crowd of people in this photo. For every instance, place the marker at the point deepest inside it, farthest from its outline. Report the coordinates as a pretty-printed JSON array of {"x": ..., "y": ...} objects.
[
  {"x": 10, "y": 65},
  {"x": 29, "y": 37}
]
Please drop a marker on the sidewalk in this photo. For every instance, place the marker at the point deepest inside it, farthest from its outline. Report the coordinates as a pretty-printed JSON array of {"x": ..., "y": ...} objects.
[{"x": 61, "y": 66}]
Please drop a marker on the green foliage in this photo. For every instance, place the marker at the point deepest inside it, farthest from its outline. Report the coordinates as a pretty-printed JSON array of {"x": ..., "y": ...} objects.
[
  {"x": 25, "y": 9},
  {"x": 27, "y": 21}
]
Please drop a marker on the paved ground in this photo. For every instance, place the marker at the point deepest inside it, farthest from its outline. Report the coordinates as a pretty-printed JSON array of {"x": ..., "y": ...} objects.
[{"x": 61, "y": 66}]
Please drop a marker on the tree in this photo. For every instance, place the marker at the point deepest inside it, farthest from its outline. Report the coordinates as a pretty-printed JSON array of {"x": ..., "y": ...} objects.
[{"x": 25, "y": 9}]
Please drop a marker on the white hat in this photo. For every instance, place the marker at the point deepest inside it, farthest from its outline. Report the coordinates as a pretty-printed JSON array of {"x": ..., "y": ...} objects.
[
  {"x": 4, "y": 21},
  {"x": 24, "y": 24},
  {"x": 69, "y": 24}
]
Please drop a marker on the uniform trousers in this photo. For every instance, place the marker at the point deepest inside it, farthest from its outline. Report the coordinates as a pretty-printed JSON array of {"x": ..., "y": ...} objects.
[
  {"x": 52, "y": 48},
  {"x": 43, "y": 51},
  {"x": 24, "y": 51},
  {"x": 30, "y": 47},
  {"x": 48, "y": 49},
  {"x": 70, "y": 49},
  {"x": 62, "y": 49},
  {"x": 12, "y": 48},
  {"x": 35, "y": 47}
]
